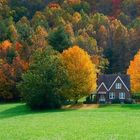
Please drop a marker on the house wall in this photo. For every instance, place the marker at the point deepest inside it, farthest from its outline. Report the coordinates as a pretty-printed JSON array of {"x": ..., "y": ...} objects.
[
  {"x": 116, "y": 91},
  {"x": 102, "y": 89}
]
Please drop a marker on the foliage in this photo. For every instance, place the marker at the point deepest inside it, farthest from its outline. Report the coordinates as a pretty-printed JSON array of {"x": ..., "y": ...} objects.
[
  {"x": 59, "y": 39},
  {"x": 108, "y": 30},
  {"x": 91, "y": 100},
  {"x": 5, "y": 88},
  {"x": 136, "y": 97},
  {"x": 44, "y": 81},
  {"x": 134, "y": 72},
  {"x": 81, "y": 73},
  {"x": 11, "y": 68}
]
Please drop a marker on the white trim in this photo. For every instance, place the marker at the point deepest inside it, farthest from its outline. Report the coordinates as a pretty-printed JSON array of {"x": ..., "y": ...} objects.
[
  {"x": 122, "y": 95},
  {"x": 118, "y": 85},
  {"x": 121, "y": 81},
  {"x": 111, "y": 95},
  {"x": 101, "y": 92},
  {"x": 103, "y": 85}
]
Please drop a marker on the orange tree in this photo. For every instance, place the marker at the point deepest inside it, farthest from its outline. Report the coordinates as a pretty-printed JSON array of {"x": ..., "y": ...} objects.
[
  {"x": 134, "y": 72},
  {"x": 81, "y": 73}
]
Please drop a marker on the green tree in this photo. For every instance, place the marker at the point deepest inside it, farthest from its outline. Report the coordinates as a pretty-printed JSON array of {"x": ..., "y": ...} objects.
[
  {"x": 129, "y": 7},
  {"x": 24, "y": 29},
  {"x": 10, "y": 55},
  {"x": 59, "y": 39},
  {"x": 39, "y": 20},
  {"x": 44, "y": 81}
]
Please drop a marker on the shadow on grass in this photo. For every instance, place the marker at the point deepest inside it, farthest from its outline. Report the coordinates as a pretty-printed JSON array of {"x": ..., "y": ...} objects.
[{"x": 21, "y": 110}]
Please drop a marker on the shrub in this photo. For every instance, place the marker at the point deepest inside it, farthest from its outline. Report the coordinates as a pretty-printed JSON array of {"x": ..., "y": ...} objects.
[
  {"x": 128, "y": 101},
  {"x": 91, "y": 100},
  {"x": 115, "y": 101},
  {"x": 44, "y": 81},
  {"x": 136, "y": 97}
]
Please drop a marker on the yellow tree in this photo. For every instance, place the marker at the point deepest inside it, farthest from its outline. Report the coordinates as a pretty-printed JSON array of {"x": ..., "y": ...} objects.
[
  {"x": 81, "y": 73},
  {"x": 134, "y": 72},
  {"x": 76, "y": 17}
]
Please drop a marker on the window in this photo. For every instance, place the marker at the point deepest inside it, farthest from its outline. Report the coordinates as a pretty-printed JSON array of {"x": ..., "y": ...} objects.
[
  {"x": 121, "y": 95},
  {"x": 102, "y": 98},
  {"x": 111, "y": 95},
  {"x": 118, "y": 85}
]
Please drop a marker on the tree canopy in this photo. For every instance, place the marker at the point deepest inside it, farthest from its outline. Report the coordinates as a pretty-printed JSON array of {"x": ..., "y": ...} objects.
[
  {"x": 134, "y": 72},
  {"x": 81, "y": 73},
  {"x": 108, "y": 30}
]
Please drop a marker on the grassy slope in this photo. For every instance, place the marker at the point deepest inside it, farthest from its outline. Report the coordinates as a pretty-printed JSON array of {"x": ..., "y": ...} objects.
[{"x": 116, "y": 122}]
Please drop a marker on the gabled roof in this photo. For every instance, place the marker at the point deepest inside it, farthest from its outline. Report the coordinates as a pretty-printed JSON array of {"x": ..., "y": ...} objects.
[
  {"x": 108, "y": 80},
  {"x": 102, "y": 84}
]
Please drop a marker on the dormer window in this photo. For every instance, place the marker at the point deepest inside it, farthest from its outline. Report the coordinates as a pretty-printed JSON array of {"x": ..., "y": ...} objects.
[{"x": 118, "y": 85}]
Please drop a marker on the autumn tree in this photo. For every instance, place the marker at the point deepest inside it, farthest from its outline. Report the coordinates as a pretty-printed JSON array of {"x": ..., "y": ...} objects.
[
  {"x": 76, "y": 17},
  {"x": 130, "y": 8},
  {"x": 39, "y": 20},
  {"x": 5, "y": 10},
  {"x": 81, "y": 73},
  {"x": 117, "y": 49},
  {"x": 5, "y": 88},
  {"x": 24, "y": 29},
  {"x": 13, "y": 34},
  {"x": 54, "y": 17},
  {"x": 39, "y": 38},
  {"x": 134, "y": 72},
  {"x": 11, "y": 69},
  {"x": 87, "y": 43}
]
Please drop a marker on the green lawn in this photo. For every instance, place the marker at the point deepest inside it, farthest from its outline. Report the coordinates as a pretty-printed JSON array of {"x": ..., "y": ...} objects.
[{"x": 115, "y": 122}]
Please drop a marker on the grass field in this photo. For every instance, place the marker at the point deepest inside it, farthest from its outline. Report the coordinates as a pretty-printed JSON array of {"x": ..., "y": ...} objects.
[{"x": 115, "y": 122}]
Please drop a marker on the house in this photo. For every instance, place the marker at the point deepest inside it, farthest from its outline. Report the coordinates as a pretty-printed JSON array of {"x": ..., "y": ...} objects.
[{"x": 113, "y": 87}]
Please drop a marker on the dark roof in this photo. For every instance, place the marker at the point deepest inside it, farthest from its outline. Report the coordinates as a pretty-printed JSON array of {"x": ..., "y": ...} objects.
[{"x": 108, "y": 79}]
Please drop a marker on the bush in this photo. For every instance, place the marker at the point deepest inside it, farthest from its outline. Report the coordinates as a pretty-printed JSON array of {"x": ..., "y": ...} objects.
[
  {"x": 136, "y": 97},
  {"x": 44, "y": 81},
  {"x": 115, "y": 101},
  {"x": 91, "y": 100},
  {"x": 128, "y": 101}
]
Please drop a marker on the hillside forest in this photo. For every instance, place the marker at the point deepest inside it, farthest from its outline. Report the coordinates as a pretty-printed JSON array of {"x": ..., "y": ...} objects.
[{"x": 58, "y": 45}]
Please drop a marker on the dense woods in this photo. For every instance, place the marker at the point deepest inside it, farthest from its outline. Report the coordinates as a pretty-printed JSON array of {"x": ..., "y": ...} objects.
[{"x": 106, "y": 31}]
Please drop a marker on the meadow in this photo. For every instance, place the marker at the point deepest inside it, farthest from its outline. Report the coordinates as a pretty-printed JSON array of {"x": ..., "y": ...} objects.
[{"x": 107, "y": 122}]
